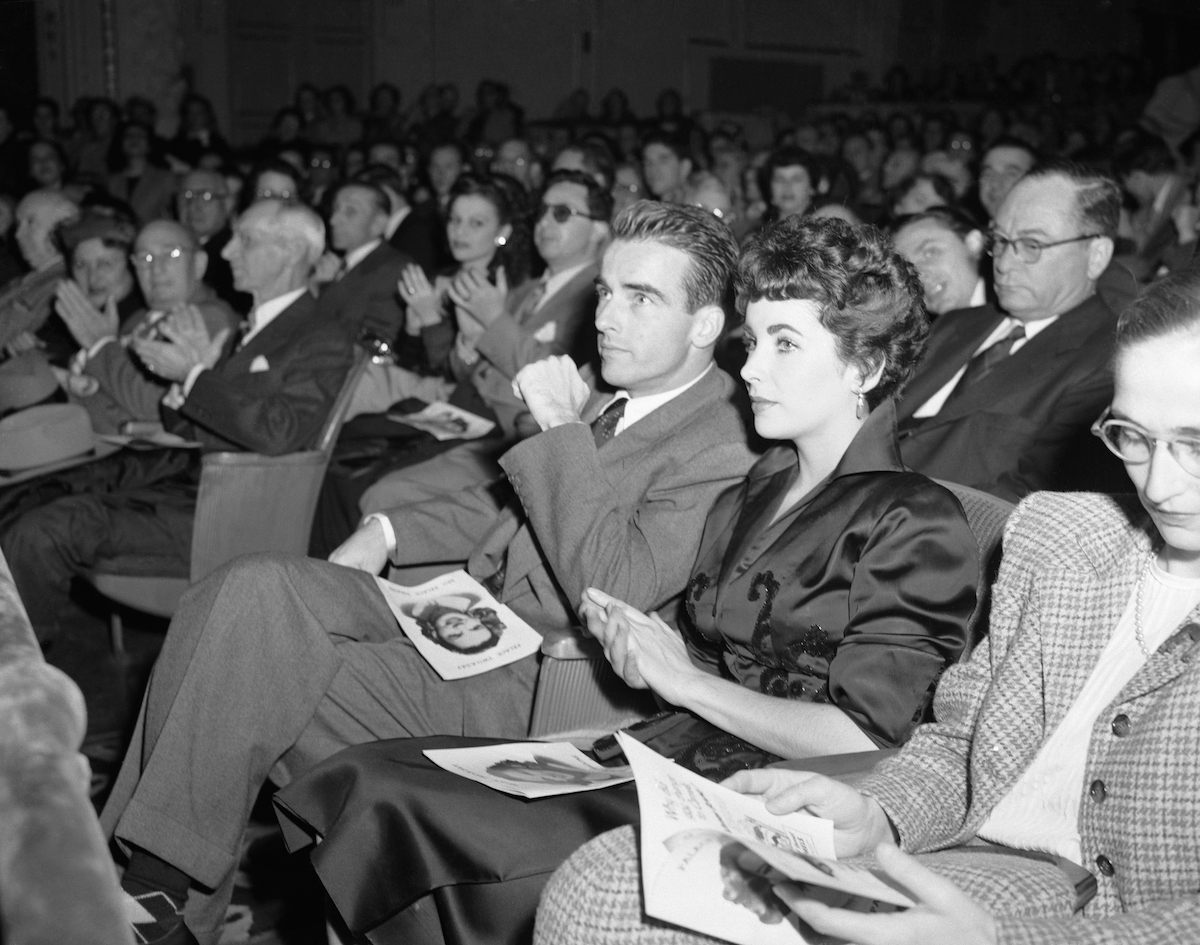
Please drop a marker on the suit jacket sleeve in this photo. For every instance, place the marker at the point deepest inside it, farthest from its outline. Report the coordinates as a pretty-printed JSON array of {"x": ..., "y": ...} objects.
[
  {"x": 591, "y": 538},
  {"x": 275, "y": 411},
  {"x": 510, "y": 346},
  {"x": 1064, "y": 454},
  {"x": 925, "y": 790},
  {"x": 125, "y": 382}
]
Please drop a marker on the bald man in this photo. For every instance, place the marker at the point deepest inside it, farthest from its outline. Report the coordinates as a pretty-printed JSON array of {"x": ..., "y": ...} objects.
[
  {"x": 27, "y": 302},
  {"x": 107, "y": 378},
  {"x": 205, "y": 204}
]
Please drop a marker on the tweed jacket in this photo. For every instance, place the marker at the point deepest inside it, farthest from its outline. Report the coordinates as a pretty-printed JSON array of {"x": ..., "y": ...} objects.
[
  {"x": 1071, "y": 562},
  {"x": 521, "y": 336},
  {"x": 1023, "y": 426},
  {"x": 626, "y": 517}
]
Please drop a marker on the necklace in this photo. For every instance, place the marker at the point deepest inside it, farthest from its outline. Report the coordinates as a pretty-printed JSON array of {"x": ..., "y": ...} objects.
[{"x": 1137, "y": 611}]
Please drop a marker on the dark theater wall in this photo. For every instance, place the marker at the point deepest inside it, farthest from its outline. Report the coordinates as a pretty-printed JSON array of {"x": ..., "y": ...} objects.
[{"x": 248, "y": 55}]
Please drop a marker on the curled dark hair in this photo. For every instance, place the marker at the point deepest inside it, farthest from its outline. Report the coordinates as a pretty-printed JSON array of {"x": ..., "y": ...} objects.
[
  {"x": 485, "y": 615},
  {"x": 870, "y": 297},
  {"x": 788, "y": 156},
  {"x": 510, "y": 200},
  {"x": 1165, "y": 307},
  {"x": 707, "y": 242}
]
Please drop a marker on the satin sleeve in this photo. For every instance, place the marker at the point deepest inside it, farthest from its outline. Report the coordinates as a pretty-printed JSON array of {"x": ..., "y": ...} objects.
[{"x": 911, "y": 598}]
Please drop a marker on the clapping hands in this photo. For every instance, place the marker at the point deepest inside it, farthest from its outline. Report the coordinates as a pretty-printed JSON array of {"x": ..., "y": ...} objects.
[
  {"x": 188, "y": 345},
  {"x": 86, "y": 323}
]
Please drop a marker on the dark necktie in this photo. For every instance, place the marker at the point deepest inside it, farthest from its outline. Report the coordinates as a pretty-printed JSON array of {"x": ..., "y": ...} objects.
[
  {"x": 604, "y": 427},
  {"x": 987, "y": 359},
  {"x": 529, "y": 306}
]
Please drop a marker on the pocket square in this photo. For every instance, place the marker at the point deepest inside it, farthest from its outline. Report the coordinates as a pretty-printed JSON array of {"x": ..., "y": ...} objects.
[
  {"x": 547, "y": 333},
  {"x": 259, "y": 364}
]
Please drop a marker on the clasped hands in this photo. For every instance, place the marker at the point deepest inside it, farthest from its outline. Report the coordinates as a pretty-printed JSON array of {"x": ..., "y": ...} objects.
[
  {"x": 187, "y": 345},
  {"x": 646, "y": 653}
]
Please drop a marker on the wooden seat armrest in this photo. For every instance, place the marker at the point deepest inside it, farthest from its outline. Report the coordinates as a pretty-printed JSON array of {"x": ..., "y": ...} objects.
[
  {"x": 303, "y": 458},
  {"x": 572, "y": 643}
]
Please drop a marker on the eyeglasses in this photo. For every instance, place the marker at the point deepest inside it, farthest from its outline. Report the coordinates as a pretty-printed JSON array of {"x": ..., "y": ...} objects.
[
  {"x": 147, "y": 260},
  {"x": 323, "y": 163},
  {"x": 267, "y": 194},
  {"x": 201, "y": 196},
  {"x": 1132, "y": 444},
  {"x": 1027, "y": 249},
  {"x": 561, "y": 212}
]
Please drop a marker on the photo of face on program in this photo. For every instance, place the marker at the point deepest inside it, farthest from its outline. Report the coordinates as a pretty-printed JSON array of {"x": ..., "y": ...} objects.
[
  {"x": 457, "y": 624},
  {"x": 546, "y": 770}
]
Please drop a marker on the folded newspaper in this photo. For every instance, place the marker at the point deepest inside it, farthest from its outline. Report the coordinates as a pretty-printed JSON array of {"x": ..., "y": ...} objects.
[
  {"x": 720, "y": 863},
  {"x": 539, "y": 769},
  {"x": 459, "y": 627},
  {"x": 446, "y": 422}
]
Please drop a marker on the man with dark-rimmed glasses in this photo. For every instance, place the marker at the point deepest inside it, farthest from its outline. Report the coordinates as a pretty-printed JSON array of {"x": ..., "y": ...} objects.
[{"x": 1004, "y": 398}]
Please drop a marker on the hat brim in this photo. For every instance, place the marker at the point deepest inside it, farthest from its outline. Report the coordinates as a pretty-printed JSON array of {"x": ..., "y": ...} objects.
[{"x": 99, "y": 450}]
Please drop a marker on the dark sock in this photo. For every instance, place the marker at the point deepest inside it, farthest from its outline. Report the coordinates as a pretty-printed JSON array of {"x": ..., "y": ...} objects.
[{"x": 160, "y": 890}]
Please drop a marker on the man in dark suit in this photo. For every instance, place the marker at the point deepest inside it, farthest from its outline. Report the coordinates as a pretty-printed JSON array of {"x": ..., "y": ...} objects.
[
  {"x": 271, "y": 395},
  {"x": 204, "y": 204},
  {"x": 1004, "y": 402},
  {"x": 619, "y": 505},
  {"x": 415, "y": 230},
  {"x": 362, "y": 295}
]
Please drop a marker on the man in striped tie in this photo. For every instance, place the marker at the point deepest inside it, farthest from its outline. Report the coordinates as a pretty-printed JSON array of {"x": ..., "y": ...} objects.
[
  {"x": 1004, "y": 398},
  {"x": 277, "y": 662}
]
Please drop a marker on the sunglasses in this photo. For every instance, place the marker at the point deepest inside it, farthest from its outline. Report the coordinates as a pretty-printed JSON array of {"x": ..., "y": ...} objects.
[{"x": 561, "y": 212}]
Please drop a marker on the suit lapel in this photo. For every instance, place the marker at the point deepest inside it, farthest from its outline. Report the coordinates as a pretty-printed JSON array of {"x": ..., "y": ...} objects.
[
  {"x": 278, "y": 334},
  {"x": 949, "y": 351},
  {"x": 1035, "y": 359}
]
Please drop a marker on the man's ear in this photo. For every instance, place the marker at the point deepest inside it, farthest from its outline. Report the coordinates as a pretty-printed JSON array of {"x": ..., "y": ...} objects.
[
  {"x": 378, "y": 226},
  {"x": 707, "y": 325},
  {"x": 975, "y": 242},
  {"x": 601, "y": 234},
  {"x": 199, "y": 264},
  {"x": 685, "y": 166},
  {"x": 1100, "y": 254}
]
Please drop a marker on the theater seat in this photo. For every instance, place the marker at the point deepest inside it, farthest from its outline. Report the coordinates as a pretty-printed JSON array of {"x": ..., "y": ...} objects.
[
  {"x": 578, "y": 690},
  {"x": 247, "y": 503}
]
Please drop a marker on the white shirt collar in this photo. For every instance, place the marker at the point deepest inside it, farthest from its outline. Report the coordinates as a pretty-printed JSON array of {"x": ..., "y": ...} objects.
[
  {"x": 979, "y": 296},
  {"x": 266, "y": 313},
  {"x": 1160, "y": 199},
  {"x": 395, "y": 220},
  {"x": 355, "y": 256},
  {"x": 555, "y": 283},
  {"x": 640, "y": 407}
]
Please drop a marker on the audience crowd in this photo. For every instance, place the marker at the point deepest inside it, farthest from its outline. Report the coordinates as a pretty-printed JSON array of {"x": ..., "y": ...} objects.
[{"x": 990, "y": 297}]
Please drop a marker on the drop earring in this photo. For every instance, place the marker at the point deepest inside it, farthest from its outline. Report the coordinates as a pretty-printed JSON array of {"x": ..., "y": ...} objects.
[{"x": 860, "y": 408}]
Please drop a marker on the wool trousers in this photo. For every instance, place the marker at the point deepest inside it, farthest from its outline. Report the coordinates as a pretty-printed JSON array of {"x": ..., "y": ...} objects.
[{"x": 272, "y": 664}]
